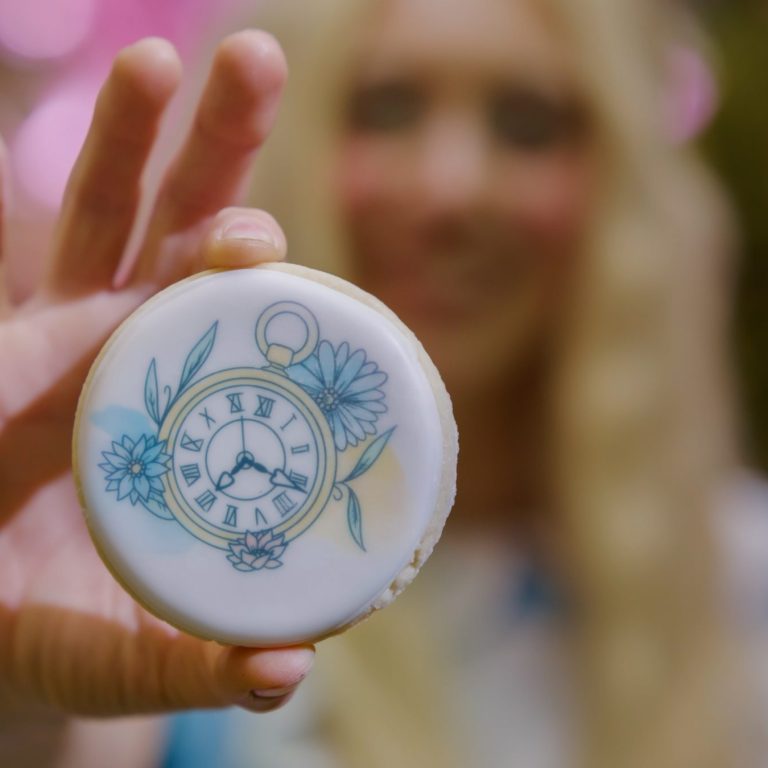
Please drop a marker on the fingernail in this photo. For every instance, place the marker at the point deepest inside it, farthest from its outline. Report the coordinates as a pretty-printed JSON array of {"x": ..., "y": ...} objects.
[
  {"x": 306, "y": 659},
  {"x": 290, "y": 666},
  {"x": 247, "y": 229},
  {"x": 273, "y": 693},
  {"x": 254, "y": 702}
]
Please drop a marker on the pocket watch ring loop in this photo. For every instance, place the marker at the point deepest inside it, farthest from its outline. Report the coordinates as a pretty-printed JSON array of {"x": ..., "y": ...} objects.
[{"x": 280, "y": 353}]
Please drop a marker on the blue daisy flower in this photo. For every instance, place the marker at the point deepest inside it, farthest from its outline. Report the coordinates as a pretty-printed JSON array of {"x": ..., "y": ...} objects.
[
  {"x": 134, "y": 469},
  {"x": 347, "y": 389}
]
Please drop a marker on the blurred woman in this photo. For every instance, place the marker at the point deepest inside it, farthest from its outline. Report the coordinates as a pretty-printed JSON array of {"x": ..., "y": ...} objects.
[{"x": 499, "y": 173}]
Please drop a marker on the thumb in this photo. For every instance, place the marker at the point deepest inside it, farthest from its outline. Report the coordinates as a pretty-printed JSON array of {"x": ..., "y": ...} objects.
[
  {"x": 257, "y": 679},
  {"x": 83, "y": 664}
]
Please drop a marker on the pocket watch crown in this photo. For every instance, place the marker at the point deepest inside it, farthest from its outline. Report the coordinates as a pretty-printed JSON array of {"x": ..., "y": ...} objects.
[{"x": 277, "y": 354}]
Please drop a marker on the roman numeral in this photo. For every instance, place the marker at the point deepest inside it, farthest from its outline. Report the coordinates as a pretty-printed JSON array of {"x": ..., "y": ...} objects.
[
  {"x": 190, "y": 443},
  {"x": 300, "y": 448},
  {"x": 231, "y": 516},
  {"x": 284, "y": 503},
  {"x": 265, "y": 407},
  {"x": 205, "y": 500},
  {"x": 293, "y": 418},
  {"x": 260, "y": 519},
  {"x": 234, "y": 402},
  {"x": 208, "y": 418},
  {"x": 191, "y": 473},
  {"x": 299, "y": 480}
]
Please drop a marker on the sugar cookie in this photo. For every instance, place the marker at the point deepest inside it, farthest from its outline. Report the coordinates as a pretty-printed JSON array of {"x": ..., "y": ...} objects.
[{"x": 264, "y": 456}]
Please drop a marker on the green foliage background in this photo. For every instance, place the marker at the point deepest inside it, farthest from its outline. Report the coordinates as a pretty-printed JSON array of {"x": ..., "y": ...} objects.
[{"x": 737, "y": 146}]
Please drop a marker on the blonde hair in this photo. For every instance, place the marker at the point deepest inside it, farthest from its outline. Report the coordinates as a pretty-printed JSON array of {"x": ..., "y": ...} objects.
[
  {"x": 292, "y": 176},
  {"x": 644, "y": 428}
]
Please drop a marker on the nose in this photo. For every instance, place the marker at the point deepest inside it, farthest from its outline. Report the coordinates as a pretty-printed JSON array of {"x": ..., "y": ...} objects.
[{"x": 453, "y": 168}]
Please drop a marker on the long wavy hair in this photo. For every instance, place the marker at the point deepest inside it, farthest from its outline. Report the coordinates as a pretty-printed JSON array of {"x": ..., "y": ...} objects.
[{"x": 643, "y": 423}]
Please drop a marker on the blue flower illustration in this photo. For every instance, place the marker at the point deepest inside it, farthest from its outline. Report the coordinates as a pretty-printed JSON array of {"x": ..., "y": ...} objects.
[
  {"x": 134, "y": 469},
  {"x": 347, "y": 389},
  {"x": 256, "y": 551}
]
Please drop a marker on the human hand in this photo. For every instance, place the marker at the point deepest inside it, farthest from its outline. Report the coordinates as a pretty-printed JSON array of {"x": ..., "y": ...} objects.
[{"x": 71, "y": 639}]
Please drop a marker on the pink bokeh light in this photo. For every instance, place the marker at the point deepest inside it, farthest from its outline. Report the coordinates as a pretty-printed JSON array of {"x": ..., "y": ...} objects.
[
  {"x": 47, "y": 143},
  {"x": 41, "y": 29},
  {"x": 692, "y": 94}
]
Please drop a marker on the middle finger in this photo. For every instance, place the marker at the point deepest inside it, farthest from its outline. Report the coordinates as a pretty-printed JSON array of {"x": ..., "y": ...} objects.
[{"x": 234, "y": 117}]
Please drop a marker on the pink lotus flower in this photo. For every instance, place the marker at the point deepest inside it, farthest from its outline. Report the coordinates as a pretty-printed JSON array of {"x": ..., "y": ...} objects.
[{"x": 256, "y": 551}]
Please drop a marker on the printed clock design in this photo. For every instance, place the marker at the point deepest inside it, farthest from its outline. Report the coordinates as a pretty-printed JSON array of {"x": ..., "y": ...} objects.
[
  {"x": 245, "y": 459},
  {"x": 249, "y": 454}
]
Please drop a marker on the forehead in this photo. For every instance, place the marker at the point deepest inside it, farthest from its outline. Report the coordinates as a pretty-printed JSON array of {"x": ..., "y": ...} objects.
[{"x": 466, "y": 38}]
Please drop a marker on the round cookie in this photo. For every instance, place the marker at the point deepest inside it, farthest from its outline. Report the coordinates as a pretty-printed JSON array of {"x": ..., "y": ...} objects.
[{"x": 264, "y": 456}]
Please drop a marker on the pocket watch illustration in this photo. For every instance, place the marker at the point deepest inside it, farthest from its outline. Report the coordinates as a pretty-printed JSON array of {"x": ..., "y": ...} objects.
[{"x": 246, "y": 459}]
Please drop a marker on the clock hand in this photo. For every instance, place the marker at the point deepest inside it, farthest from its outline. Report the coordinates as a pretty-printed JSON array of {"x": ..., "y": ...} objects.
[
  {"x": 246, "y": 462},
  {"x": 276, "y": 477},
  {"x": 226, "y": 479},
  {"x": 243, "y": 462},
  {"x": 245, "y": 457},
  {"x": 280, "y": 479}
]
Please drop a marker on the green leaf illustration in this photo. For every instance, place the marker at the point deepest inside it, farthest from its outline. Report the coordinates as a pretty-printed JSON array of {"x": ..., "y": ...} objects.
[
  {"x": 370, "y": 454},
  {"x": 151, "y": 396},
  {"x": 354, "y": 519},
  {"x": 157, "y": 508},
  {"x": 197, "y": 357}
]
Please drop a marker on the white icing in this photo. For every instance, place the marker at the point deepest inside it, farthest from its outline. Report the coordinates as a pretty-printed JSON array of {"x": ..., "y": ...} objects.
[{"x": 325, "y": 581}]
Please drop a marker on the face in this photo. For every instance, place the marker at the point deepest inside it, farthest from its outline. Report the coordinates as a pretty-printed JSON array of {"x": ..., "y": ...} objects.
[{"x": 464, "y": 177}]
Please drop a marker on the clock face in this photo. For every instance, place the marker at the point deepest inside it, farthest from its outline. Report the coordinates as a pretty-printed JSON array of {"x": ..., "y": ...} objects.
[{"x": 249, "y": 453}]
